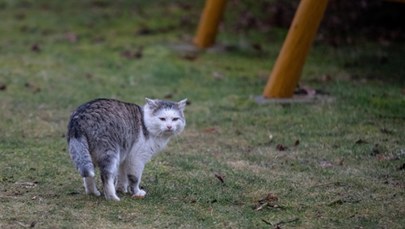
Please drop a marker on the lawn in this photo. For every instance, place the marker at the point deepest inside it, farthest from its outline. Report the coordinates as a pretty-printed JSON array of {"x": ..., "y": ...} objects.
[{"x": 338, "y": 163}]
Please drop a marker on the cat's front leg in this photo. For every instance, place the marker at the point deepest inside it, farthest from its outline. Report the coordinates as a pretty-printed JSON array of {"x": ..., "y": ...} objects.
[
  {"x": 134, "y": 187},
  {"x": 134, "y": 179}
]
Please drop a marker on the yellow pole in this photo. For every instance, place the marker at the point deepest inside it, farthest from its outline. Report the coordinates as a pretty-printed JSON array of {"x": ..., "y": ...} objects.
[
  {"x": 288, "y": 67},
  {"x": 210, "y": 18}
]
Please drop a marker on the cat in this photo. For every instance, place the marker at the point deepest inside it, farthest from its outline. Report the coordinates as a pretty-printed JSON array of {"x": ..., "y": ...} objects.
[{"x": 120, "y": 138}]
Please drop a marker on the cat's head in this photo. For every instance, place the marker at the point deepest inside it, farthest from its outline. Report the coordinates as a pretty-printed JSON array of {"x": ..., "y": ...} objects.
[{"x": 164, "y": 118}]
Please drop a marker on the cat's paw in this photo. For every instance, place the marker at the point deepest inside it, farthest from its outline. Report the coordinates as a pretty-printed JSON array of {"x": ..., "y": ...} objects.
[
  {"x": 112, "y": 197},
  {"x": 139, "y": 195},
  {"x": 93, "y": 192},
  {"x": 96, "y": 193}
]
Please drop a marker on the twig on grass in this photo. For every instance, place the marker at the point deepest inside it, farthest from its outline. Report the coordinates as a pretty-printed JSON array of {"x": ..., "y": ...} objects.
[
  {"x": 220, "y": 177},
  {"x": 277, "y": 225},
  {"x": 31, "y": 225},
  {"x": 344, "y": 200},
  {"x": 266, "y": 222},
  {"x": 8, "y": 197},
  {"x": 261, "y": 206},
  {"x": 270, "y": 200}
]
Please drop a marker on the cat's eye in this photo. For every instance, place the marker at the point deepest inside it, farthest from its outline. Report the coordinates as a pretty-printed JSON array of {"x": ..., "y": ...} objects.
[
  {"x": 175, "y": 119},
  {"x": 162, "y": 119}
]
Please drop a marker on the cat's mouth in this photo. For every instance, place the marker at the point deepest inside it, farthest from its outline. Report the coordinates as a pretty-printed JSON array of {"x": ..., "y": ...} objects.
[{"x": 169, "y": 131}]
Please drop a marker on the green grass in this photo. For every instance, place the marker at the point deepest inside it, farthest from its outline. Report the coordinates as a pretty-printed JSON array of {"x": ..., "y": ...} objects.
[{"x": 326, "y": 181}]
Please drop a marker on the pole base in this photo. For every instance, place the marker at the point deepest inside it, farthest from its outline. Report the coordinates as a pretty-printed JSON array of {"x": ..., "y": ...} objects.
[{"x": 304, "y": 99}]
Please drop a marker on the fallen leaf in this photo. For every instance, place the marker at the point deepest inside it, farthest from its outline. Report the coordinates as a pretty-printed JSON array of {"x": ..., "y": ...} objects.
[
  {"x": 270, "y": 200},
  {"x": 144, "y": 31},
  {"x": 336, "y": 202},
  {"x": 281, "y": 147},
  {"x": 381, "y": 157},
  {"x": 133, "y": 54},
  {"x": 3, "y": 86},
  {"x": 305, "y": 91},
  {"x": 231, "y": 48},
  {"x": 138, "y": 53},
  {"x": 325, "y": 164},
  {"x": 98, "y": 40},
  {"x": 89, "y": 76},
  {"x": 386, "y": 131},
  {"x": 217, "y": 75},
  {"x": 71, "y": 37},
  {"x": 377, "y": 149},
  {"x": 220, "y": 177},
  {"x": 72, "y": 193},
  {"x": 127, "y": 54},
  {"x": 210, "y": 130},
  {"x": 168, "y": 96},
  {"x": 32, "y": 87},
  {"x": 258, "y": 47},
  {"x": 190, "y": 56},
  {"x": 20, "y": 16},
  {"x": 326, "y": 78},
  {"x": 35, "y": 48},
  {"x": 321, "y": 92},
  {"x": 361, "y": 141},
  {"x": 271, "y": 197}
]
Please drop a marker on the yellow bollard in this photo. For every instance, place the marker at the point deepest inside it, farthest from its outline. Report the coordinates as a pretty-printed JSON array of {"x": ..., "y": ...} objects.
[
  {"x": 210, "y": 18},
  {"x": 288, "y": 67}
]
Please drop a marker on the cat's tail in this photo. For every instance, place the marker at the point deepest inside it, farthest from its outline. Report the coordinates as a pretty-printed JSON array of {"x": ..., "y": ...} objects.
[{"x": 79, "y": 152}]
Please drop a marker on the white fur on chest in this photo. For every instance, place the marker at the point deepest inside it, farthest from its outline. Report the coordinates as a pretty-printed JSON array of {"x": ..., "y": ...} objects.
[{"x": 144, "y": 149}]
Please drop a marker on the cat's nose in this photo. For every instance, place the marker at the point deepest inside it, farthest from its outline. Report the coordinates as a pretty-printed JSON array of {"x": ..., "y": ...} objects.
[{"x": 169, "y": 127}]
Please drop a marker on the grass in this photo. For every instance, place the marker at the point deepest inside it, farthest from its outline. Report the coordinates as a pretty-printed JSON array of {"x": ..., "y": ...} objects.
[{"x": 337, "y": 164}]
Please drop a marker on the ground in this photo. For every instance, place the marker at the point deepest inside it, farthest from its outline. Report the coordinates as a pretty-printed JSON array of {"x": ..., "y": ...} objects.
[{"x": 338, "y": 163}]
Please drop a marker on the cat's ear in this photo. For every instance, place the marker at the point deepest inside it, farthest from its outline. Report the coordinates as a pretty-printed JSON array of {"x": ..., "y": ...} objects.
[
  {"x": 182, "y": 104},
  {"x": 152, "y": 103}
]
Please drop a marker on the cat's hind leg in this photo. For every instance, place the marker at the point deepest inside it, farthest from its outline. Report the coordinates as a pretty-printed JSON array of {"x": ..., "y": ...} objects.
[
  {"x": 90, "y": 186},
  {"x": 122, "y": 179},
  {"x": 108, "y": 169}
]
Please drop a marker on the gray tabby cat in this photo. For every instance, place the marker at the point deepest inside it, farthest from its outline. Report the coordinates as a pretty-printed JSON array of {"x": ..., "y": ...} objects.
[{"x": 120, "y": 138}]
